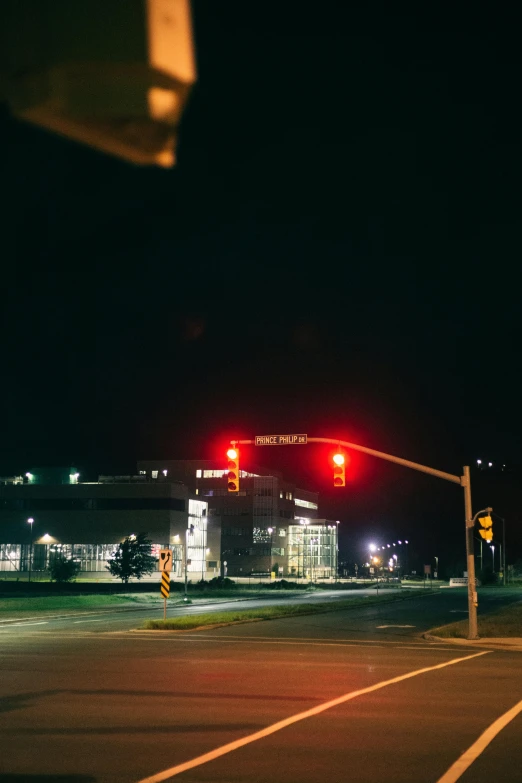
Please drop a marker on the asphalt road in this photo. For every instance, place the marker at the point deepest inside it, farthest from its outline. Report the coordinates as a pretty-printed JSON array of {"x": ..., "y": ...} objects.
[
  {"x": 87, "y": 705},
  {"x": 452, "y": 605}
]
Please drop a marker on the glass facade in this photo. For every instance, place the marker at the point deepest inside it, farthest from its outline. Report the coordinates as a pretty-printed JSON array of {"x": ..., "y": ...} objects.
[
  {"x": 312, "y": 551},
  {"x": 197, "y": 538}
]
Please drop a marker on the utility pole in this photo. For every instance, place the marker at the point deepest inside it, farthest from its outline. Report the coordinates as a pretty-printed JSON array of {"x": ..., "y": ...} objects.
[{"x": 470, "y": 556}]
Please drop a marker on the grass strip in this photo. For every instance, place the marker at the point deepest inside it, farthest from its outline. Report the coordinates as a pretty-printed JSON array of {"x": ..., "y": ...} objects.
[
  {"x": 189, "y": 622},
  {"x": 506, "y": 623},
  {"x": 42, "y": 603}
]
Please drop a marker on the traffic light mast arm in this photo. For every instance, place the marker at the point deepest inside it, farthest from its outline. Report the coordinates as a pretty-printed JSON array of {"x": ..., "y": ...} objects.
[
  {"x": 380, "y": 454},
  {"x": 389, "y": 457}
]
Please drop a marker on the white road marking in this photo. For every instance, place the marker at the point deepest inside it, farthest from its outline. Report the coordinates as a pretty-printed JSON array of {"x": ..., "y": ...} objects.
[
  {"x": 412, "y": 645},
  {"x": 282, "y": 724},
  {"x": 468, "y": 757},
  {"x": 395, "y": 626},
  {"x": 101, "y": 620},
  {"x": 268, "y": 639},
  {"x": 19, "y": 625},
  {"x": 458, "y": 611}
]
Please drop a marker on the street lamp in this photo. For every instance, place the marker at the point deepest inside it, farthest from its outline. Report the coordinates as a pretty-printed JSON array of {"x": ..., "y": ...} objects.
[
  {"x": 337, "y": 551},
  {"x": 189, "y": 531},
  {"x": 503, "y": 549},
  {"x": 30, "y": 521},
  {"x": 270, "y": 530},
  {"x": 304, "y": 522}
]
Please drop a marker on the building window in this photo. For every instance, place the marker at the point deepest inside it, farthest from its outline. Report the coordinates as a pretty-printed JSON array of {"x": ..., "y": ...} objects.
[
  {"x": 305, "y": 503},
  {"x": 235, "y": 531},
  {"x": 260, "y": 535},
  {"x": 143, "y": 472},
  {"x": 154, "y": 474},
  {"x": 165, "y": 471},
  {"x": 278, "y": 551},
  {"x": 282, "y": 532},
  {"x": 198, "y": 473},
  {"x": 214, "y": 473}
]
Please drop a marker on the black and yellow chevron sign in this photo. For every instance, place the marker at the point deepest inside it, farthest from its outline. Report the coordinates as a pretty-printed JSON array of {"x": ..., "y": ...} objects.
[{"x": 165, "y": 584}]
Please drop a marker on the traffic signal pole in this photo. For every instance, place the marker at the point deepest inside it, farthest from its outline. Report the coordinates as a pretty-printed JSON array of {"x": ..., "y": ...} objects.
[{"x": 464, "y": 481}]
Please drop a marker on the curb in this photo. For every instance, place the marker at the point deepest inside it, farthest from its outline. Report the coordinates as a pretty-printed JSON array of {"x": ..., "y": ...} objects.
[{"x": 513, "y": 644}]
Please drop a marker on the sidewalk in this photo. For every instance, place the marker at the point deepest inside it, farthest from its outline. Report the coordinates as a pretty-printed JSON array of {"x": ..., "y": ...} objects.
[{"x": 512, "y": 643}]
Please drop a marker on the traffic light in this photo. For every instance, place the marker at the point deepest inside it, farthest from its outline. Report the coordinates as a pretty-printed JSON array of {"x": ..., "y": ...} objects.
[
  {"x": 74, "y": 74},
  {"x": 486, "y": 529},
  {"x": 233, "y": 470},
  {"x": 338, "y": 471}
]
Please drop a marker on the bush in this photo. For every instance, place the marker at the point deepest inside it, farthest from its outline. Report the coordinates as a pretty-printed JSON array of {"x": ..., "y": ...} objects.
[
  {"x": 62, "y": 570},
  {"x": 221, "y": 581},
  {"x": 284, "y": 584}
]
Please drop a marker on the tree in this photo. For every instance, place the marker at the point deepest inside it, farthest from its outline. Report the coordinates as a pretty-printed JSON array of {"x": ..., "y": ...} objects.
[
  {"x": 132, "y": 558},
  {"x": 62, "y": 570}
]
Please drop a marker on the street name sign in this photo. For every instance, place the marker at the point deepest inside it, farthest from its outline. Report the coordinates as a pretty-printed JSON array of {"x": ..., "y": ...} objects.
[{"x": 280, "y": 440}]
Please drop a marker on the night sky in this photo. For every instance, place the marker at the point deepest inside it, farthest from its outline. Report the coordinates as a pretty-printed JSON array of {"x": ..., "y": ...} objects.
[{"x": 337, "y": 252}]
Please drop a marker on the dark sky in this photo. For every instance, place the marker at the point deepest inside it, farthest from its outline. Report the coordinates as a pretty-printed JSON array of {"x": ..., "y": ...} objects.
[{"x": 337, "y": 252}]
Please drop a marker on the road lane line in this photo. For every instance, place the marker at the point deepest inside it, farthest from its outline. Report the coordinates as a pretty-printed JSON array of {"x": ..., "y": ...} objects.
[
  {"x": 101, "y": 620},
  {"x": 377, "y": 645},
  {"x": 473, "y": 752},
  {"x": 282, "y": 724},
  {"x": 395, "y": 626},
  {"x": 178, "y": 636},
  {"x": 20, "y": 625}
]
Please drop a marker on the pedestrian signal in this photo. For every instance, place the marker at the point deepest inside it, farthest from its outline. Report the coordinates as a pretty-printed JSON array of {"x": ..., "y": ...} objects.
[
  {"x": 233, "y": 470},
  {"x": 486, "y": 528},
  {"x": 339, "y": 478}
]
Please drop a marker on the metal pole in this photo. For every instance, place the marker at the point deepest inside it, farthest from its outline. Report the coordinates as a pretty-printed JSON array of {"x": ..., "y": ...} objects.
[
  {"x": 31, "y": 522},
  {"x": 470, "y": 557},
  {"x": 186, "y": 575},
  {"x": 504, "y": 550}
]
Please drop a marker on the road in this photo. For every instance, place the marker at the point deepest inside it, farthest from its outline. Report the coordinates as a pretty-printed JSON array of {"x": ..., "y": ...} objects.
[
  {"x": 132, "y": 617},
  {"x": 94, "y": 705}
]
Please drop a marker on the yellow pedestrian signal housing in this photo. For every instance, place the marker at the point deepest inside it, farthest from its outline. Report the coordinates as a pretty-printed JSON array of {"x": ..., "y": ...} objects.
[
  {"x": 233, "y": 470},
  {"x": 338, "y": 471},
  {"x": 486, "y": 529}
]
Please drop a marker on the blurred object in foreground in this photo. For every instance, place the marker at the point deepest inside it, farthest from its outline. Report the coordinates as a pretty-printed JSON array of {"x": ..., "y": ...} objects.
[{"x": 114, "y": 74}]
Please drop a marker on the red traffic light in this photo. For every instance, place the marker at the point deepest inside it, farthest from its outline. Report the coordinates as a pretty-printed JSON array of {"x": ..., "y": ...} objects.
[
  {"x": 339, "y": 478},
  {"x": 233, "y": 470}
]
